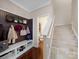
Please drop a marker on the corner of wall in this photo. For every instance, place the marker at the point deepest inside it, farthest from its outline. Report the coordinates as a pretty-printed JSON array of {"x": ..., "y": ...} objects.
[{"x": 74, "y": 31}]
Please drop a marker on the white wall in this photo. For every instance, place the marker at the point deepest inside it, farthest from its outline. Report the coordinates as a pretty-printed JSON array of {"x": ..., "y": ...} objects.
[
  {"x": 62, "y": 11},
  {"x": 10, "y": 7},
  {"x": 40, "y": 12},
  {"x": 75, "y": 16}
]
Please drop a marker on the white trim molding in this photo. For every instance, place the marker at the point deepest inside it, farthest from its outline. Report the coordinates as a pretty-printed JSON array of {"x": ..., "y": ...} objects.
[
  {"x": 30, "y": 10},
  {"x": 19, "y": 5}
]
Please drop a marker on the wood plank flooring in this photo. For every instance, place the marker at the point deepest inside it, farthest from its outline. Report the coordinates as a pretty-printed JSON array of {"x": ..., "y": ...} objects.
[{"x": 38, "y": 52}]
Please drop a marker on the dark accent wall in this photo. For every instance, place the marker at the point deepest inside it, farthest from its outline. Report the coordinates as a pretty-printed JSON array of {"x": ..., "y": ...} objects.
[{"x": 7, "y": 24}]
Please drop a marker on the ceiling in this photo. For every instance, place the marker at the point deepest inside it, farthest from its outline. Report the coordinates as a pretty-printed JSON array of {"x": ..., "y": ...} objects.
[{"x": 31, "y": 5}]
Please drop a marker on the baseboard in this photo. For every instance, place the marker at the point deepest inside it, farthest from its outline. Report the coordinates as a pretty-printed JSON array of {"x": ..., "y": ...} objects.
[
  {"x": 61, "y": 24},
  {"x": 74, "y": 32}
]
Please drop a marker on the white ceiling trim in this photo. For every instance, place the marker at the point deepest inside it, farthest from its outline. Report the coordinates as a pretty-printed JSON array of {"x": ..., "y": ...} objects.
[
  {"x": 43, "y": 5},
  {"x": 19, "y": 5}
]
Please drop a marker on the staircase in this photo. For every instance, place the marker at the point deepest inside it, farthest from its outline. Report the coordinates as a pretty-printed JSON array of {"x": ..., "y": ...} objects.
[{"x": 64, "y": 43}]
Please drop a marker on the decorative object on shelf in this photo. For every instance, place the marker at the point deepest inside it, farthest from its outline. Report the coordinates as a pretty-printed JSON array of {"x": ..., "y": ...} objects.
[
  {"x": 9, "y": 18},
  {"x": 20, "y": 21},
  {"x": 15, "y": 21},
  {"x": 12, "y": 35},
  {"x": 24, "y": 21}
]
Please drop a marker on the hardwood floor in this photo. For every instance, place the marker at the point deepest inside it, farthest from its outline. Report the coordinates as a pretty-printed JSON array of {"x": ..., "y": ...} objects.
[
  {"x": 33, "y": 53},
  {"x": 41, "y": 45},
  {"x": 38, "y": 52}
]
